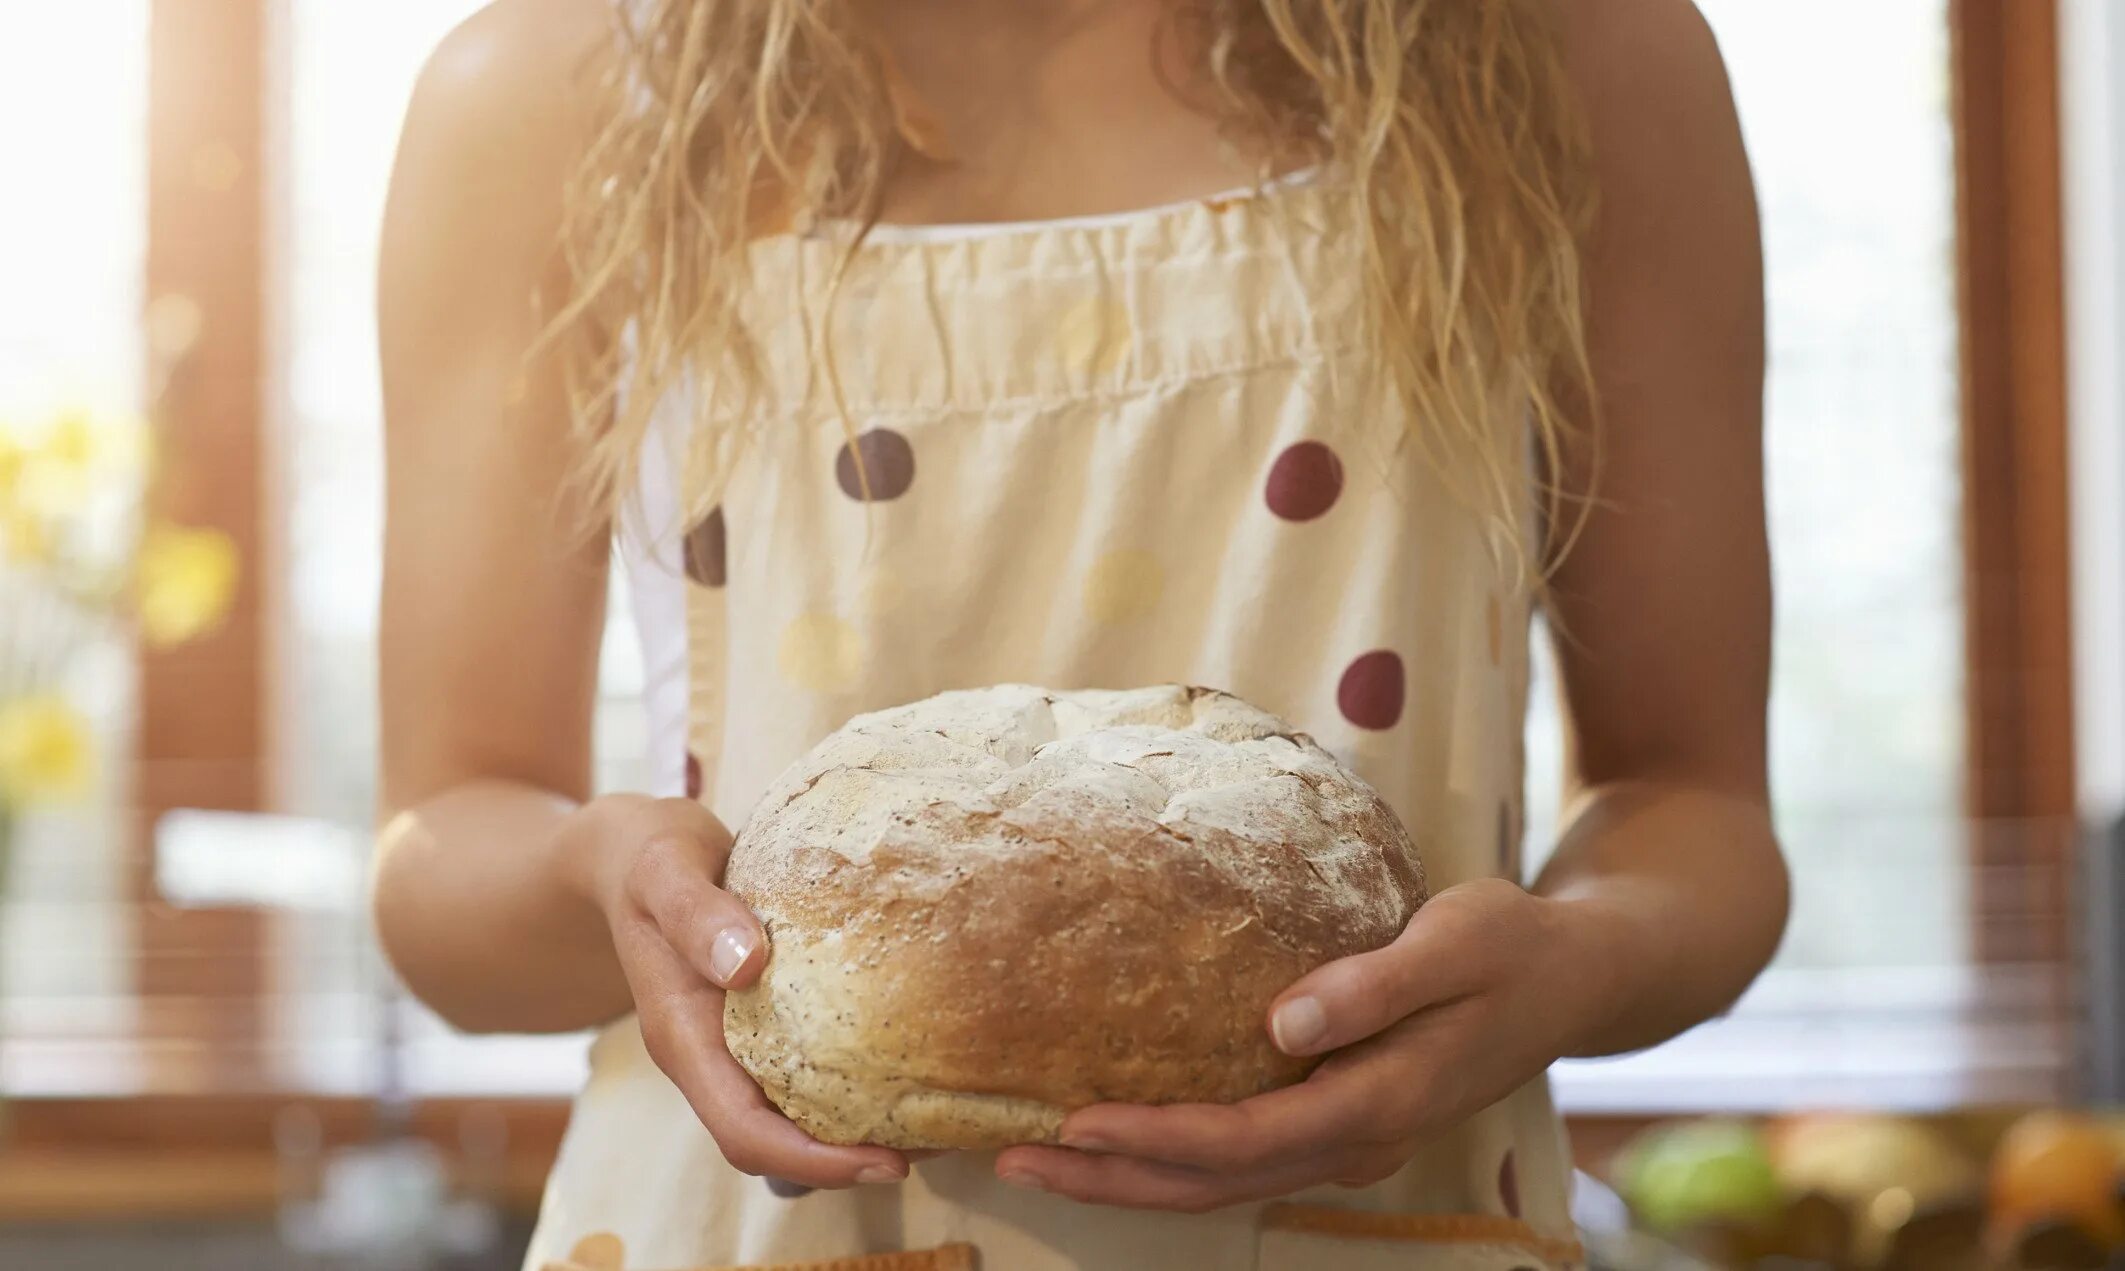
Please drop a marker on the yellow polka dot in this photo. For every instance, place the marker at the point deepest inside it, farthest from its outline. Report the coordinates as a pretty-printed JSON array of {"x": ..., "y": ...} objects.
[
  {"x": 820, "y": 652},
  {"x": 1124, "y": 586},
  {"x": 1095, "y": 333},
  {"x": 602, "y": 1252}
]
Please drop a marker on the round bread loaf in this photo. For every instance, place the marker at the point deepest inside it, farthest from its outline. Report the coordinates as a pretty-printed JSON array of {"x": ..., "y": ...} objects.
[{"x": 993, "y": 907}]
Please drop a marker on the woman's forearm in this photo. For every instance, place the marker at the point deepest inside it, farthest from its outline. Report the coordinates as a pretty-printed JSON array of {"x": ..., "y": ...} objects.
[
  {"x": 1683, "y": 895},
  {"x": 484, "y": 901}
]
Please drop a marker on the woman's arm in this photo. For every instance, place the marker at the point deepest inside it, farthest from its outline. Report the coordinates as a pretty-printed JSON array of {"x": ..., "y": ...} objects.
[
  {"x": 1661, "y": 613},
  {"x": 494, "y": 591},
  {"x": 1668, "y": 893},
  {"x": 506, "y": 900}
]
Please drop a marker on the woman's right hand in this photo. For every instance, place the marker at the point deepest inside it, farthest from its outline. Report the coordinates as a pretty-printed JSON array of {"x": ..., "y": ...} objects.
[{"x": 654, "y": 867}]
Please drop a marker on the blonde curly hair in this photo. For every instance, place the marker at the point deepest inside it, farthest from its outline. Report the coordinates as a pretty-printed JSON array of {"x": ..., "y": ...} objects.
[{"x": 1451, "y": 121}]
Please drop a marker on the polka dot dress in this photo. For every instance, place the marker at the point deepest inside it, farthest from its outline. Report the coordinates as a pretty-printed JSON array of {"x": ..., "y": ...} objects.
[{"x": 1105, "y": 454}]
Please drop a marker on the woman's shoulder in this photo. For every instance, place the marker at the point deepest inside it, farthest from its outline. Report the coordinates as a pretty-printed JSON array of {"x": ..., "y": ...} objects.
[
  {"x": 498, "y": 122},
  {"x": 525, "y": 40},
  {"x": 516, "y": 79},
  {"x": 1659, "y": 108},
  {"x": 492, "y": 140},
  {"x": 1622, "y": 51}
]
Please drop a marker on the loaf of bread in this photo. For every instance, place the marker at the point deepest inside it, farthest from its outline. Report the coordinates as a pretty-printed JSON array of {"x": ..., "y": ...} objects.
[{"x": 993, "y": 907}]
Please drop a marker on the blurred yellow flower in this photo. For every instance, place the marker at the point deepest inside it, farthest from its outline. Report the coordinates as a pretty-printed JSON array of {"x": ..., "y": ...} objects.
[
  {"x": 44, "y": 751},
  {"x": 77, "y": 452},
  {"x": 187, "y": 579},
  {"x": 25, "y": 539},
  {"x": 13, "y": 454},
  {"x": 99, "y": 442}
]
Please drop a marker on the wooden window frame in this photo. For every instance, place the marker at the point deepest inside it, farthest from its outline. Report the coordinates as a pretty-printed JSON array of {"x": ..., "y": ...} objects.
[
  {"x": 2019, "y": 691},
  {"x": 204, "y": 708}
]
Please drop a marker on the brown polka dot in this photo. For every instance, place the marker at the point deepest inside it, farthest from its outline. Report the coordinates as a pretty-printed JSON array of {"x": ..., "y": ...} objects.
[
  {"x": 1509, "y": 1185},
  {"x": 694, "y": 780},
  {"x": 705, "y": 550},
  {"x": 883, "y": 458},
  {"x": 786, "y": 1189},
  {"x": 1370, "y": 695},
  {"x": 1494, "y": 618},
  {"x": 1304, "y": 482}
]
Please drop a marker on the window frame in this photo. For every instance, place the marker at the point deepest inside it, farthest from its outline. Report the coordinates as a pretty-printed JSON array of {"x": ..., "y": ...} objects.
[
  {"x": 202, "y": 737},
  {"x": 2021, "y": 776}
]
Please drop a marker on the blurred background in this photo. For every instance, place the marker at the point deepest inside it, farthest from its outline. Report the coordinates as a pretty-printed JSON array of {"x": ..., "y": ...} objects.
[{"x": 202, "y": 1060}]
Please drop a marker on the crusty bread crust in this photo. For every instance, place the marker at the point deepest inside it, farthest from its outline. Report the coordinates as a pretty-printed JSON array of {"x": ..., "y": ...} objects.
[{"x": 992, "y": 907}]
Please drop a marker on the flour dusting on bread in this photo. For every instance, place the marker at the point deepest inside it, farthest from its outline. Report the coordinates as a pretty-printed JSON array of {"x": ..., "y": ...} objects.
[{"x": 994, "y": 906}]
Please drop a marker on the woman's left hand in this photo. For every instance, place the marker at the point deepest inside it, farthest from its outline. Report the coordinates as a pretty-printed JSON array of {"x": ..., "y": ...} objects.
[{"x": 1485, "y": 988}]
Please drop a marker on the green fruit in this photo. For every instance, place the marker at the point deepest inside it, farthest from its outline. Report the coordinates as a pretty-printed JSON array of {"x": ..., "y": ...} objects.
[{"x": 1700, "y": 1171}]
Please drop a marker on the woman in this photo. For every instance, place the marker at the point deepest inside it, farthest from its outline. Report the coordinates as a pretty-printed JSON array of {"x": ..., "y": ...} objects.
[{"x": 1297, "y": 347}]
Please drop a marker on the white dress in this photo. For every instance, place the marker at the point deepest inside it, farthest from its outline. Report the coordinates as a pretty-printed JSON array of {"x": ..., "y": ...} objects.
[{"x": 1107, "y": 453}]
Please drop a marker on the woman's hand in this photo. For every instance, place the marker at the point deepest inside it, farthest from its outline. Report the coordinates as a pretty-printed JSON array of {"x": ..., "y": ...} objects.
[
  {"x": 653, "y": 866},
  {"x": 1486, "y": 987}
]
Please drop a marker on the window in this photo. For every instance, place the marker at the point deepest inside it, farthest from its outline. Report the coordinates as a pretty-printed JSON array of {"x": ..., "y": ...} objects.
[
  {"x": 72, "y": 250},
  {"x": 350, "y": 70}
]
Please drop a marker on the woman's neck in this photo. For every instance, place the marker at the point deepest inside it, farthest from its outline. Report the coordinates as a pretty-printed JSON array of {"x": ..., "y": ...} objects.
[{"x": 1036, "y": 109}]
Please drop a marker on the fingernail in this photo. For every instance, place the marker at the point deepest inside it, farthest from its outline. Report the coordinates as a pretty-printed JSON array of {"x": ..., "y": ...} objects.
[
  {"x": 1086, "y": 1142},
  {"x": 1298, "y": 1024},
  {"x": 878, "y": 1174},
  {"x": 733, "y": 945},
  {"x": 1020, "y": 1178}
]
